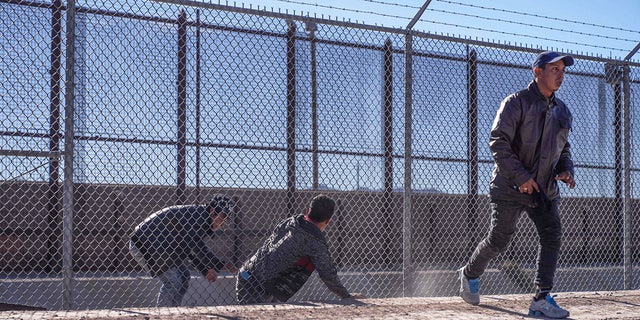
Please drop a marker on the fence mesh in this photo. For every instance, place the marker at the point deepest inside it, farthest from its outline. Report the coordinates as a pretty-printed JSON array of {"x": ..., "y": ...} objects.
[{"x": 171, "y": 104}]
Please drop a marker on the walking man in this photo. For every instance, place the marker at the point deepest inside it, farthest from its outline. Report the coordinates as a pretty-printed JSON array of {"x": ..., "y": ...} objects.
[{"x": 530, "y": 148}]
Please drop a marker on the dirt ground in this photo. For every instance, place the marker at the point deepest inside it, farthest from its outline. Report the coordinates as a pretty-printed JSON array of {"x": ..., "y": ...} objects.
[{"x": 582, "y": 305}]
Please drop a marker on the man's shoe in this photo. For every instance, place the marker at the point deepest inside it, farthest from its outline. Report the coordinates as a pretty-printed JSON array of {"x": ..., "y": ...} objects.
[
  {"x": 469, "y": 288},
  {"x": 547, "y": 308}
]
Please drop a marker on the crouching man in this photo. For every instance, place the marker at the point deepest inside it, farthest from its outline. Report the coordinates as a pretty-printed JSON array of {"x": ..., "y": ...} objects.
[
  {"x": 163, "y": 242},
  {"x": 289, "y": 256}
]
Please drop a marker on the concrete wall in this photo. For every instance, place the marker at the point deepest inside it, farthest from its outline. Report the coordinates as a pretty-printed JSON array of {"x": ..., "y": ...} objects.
[{"x": 443, "y": 229}]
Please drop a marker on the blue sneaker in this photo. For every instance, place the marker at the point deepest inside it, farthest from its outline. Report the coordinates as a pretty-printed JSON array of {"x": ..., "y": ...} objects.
[
  {"x": 469, "y": 288},
  {"x": 547, "y": 308}
]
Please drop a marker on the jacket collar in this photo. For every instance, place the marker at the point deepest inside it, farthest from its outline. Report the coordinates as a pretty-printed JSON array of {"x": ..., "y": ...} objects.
[
  {"x": 533, "y": 87},
  {"x": 309, "y": 226}
]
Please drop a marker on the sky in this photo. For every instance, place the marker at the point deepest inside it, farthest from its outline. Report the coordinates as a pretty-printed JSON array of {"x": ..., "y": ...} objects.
[{"x": 609, "y": 29}]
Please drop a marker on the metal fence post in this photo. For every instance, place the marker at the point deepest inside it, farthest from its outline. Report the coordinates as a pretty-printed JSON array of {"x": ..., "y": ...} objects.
[
  {"x": 407, "y": 267},
  {"x": 406, "y": 212},
  {"x": 312, "y": 28},
  {"x": 67, "y": 196},
  {"x": 182, "y": 109},
  {"x": 387, "y": 146},
  {"x": 197, "y": 106},
  {"x": 472, "y": 144},
  {"x": 628, "y": 212},
  {"x": 53, "y": 205},
  {"x": 291, "y": 117},
  {"x": 613, "y": 76}
]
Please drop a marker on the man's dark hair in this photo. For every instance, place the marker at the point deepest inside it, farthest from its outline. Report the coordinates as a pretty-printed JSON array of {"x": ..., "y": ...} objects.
[{"x": 321, "y": 208}]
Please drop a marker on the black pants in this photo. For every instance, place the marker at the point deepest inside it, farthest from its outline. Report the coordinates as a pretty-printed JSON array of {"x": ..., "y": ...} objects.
[
  {"x": 249, "y": 290},
  {"x": 504, "y": 216}
]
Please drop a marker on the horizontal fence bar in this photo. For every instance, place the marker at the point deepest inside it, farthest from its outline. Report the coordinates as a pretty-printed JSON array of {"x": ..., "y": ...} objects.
[{"x": 29, "y": 153}]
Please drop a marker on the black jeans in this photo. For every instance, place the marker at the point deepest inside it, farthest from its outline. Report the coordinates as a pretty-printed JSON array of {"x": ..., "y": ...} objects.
[
  {"x": 249, "y": 290},
  {"x": 504, "y": 216}
]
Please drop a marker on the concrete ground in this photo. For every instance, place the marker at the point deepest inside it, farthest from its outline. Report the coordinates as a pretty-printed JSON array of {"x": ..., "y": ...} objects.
[{"x": 582, "y": 305}]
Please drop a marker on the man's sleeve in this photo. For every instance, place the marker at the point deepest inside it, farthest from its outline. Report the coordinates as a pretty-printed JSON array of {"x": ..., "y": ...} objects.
[
  {"x": 503, "y": 133},
  {"x": 326, "y": 269},
  {"x": 565, "y": 163},
  {"x": 203, "y": 259}
]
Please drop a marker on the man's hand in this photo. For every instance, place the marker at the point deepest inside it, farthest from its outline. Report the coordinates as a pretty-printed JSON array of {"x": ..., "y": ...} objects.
[
  {"x": 567, "y": 178},
  {"x": 212, "y": 275},
  {"x": 529, "y": 187}
]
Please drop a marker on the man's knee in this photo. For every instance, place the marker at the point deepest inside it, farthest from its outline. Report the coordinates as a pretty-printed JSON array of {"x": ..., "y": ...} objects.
[{"x": 498, "y": 243}]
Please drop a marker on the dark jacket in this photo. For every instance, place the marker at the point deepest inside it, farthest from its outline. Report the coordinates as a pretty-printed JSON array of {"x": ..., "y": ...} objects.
[
  {"x": 529, "y": 139},
  {"x": 168, "y": 237},
  {"x": 288, "y": 257}
]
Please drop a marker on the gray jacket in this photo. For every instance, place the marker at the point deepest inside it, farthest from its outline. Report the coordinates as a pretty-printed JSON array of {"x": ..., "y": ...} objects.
[
  {"x": 529, "y": 139},
  {"x": 288, "y": 257}
]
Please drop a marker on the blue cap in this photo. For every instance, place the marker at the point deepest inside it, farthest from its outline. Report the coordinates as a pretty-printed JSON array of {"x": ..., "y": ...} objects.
[{"x": 551, "y": 57}]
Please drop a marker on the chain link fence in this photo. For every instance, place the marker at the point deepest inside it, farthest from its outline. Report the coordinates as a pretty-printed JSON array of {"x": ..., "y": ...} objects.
[{"x": 114, "y": 110}]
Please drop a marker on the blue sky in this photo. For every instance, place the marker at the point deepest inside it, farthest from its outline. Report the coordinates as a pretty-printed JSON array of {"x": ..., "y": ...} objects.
[{"x": 600, "y": 28}]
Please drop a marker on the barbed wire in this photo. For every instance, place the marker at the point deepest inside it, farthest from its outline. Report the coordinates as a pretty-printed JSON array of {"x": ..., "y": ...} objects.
[
  {"x": 507, "y": 11},
  {"x": 489, "y": 18},
  {"x": 526, "y": 35},
  {"x": 538, "y": 16},
  {"x": 534, "y": 25},
  {"x": 343, "y": 9},
  {"x": 393, "y": 4}
]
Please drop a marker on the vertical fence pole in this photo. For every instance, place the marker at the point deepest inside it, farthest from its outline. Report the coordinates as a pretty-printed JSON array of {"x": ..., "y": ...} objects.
[
  {"x": 387, "y": 141},
  {"x": 198, "y": 101},
  {"x": 182, "y": 108},
  {"x": 311, "y": 28},
  {"x": 619, "y": 183},
  {"x": 67, "y": 194},
  {"x": 291, "y": 117},
  {"x": 406, "y": 210},
  {"x": 613, "y": 76},
  {"x": 472, "y": 144},
  {"x": 53, "y": 192},
  {"x": 628, "y": 212},
  {"x": 407, "y": 267},
  {"x": 603, "y": 123}
]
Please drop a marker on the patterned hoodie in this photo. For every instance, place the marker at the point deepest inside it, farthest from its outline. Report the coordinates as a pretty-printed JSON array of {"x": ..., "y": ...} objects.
[{"x": 288, "y": 257}]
